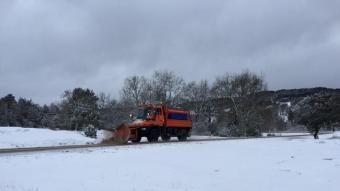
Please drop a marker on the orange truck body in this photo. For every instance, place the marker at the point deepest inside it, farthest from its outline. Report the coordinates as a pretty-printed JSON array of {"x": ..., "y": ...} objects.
[{"x": 157, "y": 120}]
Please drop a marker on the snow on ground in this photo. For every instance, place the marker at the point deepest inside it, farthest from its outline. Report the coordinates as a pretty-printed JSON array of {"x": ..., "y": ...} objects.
[
  {"x": 12, "y": 137},
  {"x": 15, "y": 137},
  {"x": 336, "y": 135},
  {"x": 298, "y": 163},
  {"x": 285, "y": 134}
]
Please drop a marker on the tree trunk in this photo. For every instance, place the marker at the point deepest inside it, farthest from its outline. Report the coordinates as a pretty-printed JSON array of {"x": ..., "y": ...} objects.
[{"x": 316, "y": 133}]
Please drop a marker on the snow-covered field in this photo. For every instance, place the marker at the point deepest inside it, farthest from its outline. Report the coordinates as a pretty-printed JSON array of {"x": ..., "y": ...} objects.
[
  {"x": 13, "y": 137},
  {"x": 299, "y": 163}
]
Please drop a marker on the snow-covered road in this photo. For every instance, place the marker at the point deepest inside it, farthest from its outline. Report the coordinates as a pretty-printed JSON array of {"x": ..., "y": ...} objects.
[
  {"x": 18, "y": 137},
  {"x": 258, "y": 164}
]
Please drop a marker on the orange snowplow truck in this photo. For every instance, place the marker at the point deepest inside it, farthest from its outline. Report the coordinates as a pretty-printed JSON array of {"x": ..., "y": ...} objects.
[{"x": 157, "y": 120}]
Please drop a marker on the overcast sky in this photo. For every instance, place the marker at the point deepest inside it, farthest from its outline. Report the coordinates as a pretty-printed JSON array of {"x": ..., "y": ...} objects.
[{"x": 47, "y": 47}]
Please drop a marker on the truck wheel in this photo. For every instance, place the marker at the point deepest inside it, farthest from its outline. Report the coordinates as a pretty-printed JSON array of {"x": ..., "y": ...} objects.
[
  {"x": 137, "y": 140},
  {"x": 182, "y": 135},
  {"x": 153, "y": 135},
  {"x": 165, "y": 137}
]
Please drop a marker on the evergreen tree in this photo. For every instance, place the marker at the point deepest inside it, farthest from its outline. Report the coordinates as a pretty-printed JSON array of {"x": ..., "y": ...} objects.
[
  {"x": 8, "y": 109},
  {"x": 317, "y": 111},
  {"x": 28, "y": 113},
  {"x": 79, "y": 109}
]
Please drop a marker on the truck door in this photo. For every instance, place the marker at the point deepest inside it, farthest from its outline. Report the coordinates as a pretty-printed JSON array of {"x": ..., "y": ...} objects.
[{"x": 159, "y": 116}]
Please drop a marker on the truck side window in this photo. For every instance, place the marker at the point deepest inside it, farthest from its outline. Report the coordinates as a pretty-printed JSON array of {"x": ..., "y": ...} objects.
[
  {"x": 178, "y": 116},
  {"x": 158, "y": 111}
]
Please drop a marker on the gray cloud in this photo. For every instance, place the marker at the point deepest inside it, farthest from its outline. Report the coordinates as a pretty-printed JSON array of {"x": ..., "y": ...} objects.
[{"x": 49, "y": 46}]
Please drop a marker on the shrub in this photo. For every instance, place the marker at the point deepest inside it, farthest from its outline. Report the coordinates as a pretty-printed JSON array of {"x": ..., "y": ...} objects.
[{"x": 90, "y": 131}]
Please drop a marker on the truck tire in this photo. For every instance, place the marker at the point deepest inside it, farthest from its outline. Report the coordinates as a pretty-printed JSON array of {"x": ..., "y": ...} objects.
[
  {"x": 137, "y": 140},
  {"x": 182, "y": 135},
  {"x": 165, "y": 134},
  {"x": 166, "y": 137},
  {"x": 153, "y": 135},
  {"x": 182, "y": 138}
]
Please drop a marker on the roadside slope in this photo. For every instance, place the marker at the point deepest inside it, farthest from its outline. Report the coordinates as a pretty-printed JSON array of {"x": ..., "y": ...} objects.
[{"x": 14, "y": 137}]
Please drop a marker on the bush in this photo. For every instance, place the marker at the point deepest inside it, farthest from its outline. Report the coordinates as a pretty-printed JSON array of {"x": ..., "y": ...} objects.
[
  {"x": 253, "y": 132},
  {"x": 90, "y": 131}
]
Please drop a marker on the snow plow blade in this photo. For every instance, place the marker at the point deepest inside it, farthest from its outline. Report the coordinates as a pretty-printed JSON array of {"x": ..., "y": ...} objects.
[
  {"x": 121, "y": 134},
  {"x": 118, "y": 135}
]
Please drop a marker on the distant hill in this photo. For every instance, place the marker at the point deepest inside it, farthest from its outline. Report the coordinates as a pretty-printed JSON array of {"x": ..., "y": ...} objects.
[{"x": 294, "y": 95}]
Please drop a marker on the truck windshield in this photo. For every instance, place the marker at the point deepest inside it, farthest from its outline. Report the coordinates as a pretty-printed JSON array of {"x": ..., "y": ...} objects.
[{"x": 145, "y": 113}]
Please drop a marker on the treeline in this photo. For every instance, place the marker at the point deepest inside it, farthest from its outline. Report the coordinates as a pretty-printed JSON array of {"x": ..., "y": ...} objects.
[
  {"x": 78, "y": 108},
  {"x": 22, "y": 112},
  {"x": 230, "y": 105}
]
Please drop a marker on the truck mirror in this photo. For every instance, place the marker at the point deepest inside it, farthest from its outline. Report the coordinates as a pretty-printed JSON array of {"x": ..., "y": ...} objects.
[
  {"x": 132, "y": 116},
  {"x": 148, "y": 116}
]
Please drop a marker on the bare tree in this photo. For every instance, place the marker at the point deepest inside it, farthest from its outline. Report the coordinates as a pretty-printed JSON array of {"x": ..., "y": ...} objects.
[
  {"x": 147, "y": 93},
  {"x": 103, "y": 100},
  {"x": 164, "y": 86},
  {"x": 197, "y": 94},
  {"x": 238, "y": 92},
  {"x": 133, "y": 89},
  {"x": 167, "y": 87},
  {"x": 222, "y": 90},
  {"x": 245, "y": 87},
  {"x": 197, "y": 97}
]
